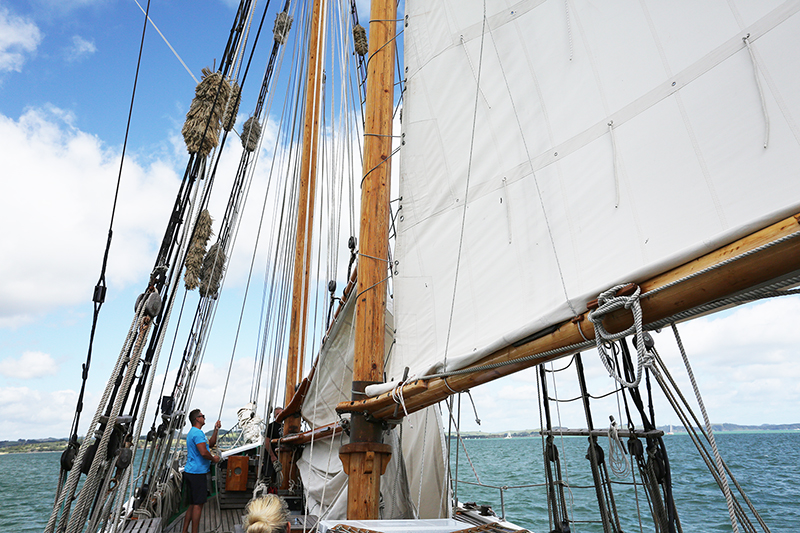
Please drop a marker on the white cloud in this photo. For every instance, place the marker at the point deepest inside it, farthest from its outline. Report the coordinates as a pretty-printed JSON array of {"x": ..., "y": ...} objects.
[
  {"x": 80, "y": 48},
  {"x": 29, "y": 413},
  {"x": 746, "y": 362},
  {"x": 55, "y": 203},
  {"x": 29, "y": 365},
  {"x": 19, "y": 37}
]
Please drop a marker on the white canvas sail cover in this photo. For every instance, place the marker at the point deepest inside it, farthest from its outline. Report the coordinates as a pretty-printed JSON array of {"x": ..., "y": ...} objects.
[
  {"x": 607, "y": 142},
  {"x": 414, "y": 487}
]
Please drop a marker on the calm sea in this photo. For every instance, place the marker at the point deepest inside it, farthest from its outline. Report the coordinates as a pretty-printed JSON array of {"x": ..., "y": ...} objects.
[{"x": 766, "y": 464}]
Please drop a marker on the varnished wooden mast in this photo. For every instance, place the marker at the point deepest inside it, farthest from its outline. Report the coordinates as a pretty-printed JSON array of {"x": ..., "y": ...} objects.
[
  {"x": 305, "y": 216},
  {"x": 365, "y": 457}
]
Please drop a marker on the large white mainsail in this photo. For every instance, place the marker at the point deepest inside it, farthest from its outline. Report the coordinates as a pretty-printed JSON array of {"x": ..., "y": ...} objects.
[{"x": 604, "y": 143}]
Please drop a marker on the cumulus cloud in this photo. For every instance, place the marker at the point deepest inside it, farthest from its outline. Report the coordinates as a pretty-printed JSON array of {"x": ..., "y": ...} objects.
[
  {"x": 29, "y": 413},
  {"x": 55, "y": 203},
  {"x": 29, "y": 365},
  {"x": 80, "y": 48},
  {"x": 19, "y": 38}
]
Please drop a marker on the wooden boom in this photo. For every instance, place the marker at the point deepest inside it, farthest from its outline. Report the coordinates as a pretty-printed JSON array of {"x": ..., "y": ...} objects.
[{"x": 705, "y": 287}]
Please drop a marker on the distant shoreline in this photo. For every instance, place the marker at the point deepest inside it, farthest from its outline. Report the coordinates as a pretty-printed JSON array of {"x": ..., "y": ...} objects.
[
  {"x": 57, "y": 445},
  {"x": 668, "y": 430}
]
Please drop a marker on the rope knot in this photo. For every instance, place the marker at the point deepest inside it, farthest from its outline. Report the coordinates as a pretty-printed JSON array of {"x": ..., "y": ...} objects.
[{"x": 608, "y": 302}]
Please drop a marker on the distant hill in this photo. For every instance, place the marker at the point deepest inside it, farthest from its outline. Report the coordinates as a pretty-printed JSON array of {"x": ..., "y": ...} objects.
[
  {"x": 717, "y": 428},
  {"x": 32, "y": 445}
]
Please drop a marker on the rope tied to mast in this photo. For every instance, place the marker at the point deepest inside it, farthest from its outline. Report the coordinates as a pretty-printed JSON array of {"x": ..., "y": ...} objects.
[{"x": 608, "y": 302}]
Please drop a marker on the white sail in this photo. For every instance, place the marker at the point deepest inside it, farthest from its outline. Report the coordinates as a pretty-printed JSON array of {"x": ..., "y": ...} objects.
[
  {"x": 605, "y": 143},
  {"x": 413, "y": 487}
]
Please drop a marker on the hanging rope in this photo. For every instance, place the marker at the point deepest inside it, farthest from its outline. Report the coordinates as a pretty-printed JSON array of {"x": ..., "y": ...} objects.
[
  {"x": 213, "y": 268},
  {"x": 616, "y": 451},
  {"x": 232, "y": 106},
  {"x": 251, "y": 134}
]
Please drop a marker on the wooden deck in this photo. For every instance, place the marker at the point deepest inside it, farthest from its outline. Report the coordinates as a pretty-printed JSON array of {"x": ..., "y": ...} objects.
[
  {"x": 142, "y": 525},
  {"x": 211, "y": 520}
]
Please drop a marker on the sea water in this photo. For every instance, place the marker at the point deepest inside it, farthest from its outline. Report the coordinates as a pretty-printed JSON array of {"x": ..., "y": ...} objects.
[{"x": 766, "y": 464}]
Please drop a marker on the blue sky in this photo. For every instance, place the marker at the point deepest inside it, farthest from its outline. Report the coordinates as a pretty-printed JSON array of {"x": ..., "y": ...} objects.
[{"x": 66, "y": 73}]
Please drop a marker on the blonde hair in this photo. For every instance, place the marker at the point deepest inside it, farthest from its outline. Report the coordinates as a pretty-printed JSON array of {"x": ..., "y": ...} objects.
[{"x": 267, "y": 514}]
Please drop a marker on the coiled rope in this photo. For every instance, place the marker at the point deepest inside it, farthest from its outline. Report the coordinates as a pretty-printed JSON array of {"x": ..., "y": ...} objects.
[
  {"x": 616, "y": 451},
  {"x": 609, "y": 302}
]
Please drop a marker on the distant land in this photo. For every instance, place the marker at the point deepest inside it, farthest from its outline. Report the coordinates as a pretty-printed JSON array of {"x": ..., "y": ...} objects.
[
  {"x": 58, "y": 445},
  {"x": 717, "y": 428}
]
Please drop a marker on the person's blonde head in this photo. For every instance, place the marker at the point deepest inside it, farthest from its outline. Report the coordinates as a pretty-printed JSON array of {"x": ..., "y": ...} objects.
[{"x": 267, "y": 514}]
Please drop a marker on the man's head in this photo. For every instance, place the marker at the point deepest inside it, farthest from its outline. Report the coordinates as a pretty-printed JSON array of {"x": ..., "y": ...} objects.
[
  {"x": 196, "y": 417},
  {"x": 277, "y": 412}
]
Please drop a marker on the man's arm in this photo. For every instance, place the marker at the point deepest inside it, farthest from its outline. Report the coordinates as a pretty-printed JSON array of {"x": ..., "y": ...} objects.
[
  {"x": 272, "y": 455},
  {"x": 213, "y": 440},
  {"x": 203, "y": 450}
]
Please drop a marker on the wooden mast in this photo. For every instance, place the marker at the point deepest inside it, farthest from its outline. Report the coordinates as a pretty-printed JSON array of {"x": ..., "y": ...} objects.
[
  {"x": 365, "y": 457},
  {"x": 305, "y": 217}
]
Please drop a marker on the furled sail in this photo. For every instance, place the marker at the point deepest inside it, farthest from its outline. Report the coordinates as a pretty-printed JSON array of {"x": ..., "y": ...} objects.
[
  {"x": 547, "y": 158},
  {"x": 412, "y": 487}
]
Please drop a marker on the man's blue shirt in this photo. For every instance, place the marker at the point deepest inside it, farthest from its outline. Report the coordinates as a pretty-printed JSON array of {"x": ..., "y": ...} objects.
[{"x": 196, "y": 463}]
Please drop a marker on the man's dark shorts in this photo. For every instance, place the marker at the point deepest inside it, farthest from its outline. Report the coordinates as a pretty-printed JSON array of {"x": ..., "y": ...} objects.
[{"x": 196, "y": 486}]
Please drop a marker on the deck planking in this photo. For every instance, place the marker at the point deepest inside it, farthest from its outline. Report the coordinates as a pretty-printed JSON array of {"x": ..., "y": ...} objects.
[
  {"x": 211, "y": 520},
  {"x": 142, "y": 525}
]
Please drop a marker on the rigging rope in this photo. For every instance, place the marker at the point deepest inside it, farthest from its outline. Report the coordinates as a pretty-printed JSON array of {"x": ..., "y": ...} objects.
[
  {"x": 718, "y": 459},
  {"x": 100, "y": 288},
  {"x": 462, "y": 226}
]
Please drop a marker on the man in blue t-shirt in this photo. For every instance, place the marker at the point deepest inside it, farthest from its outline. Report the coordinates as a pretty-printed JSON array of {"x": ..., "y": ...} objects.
[{"x": 198, "y": 463}]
